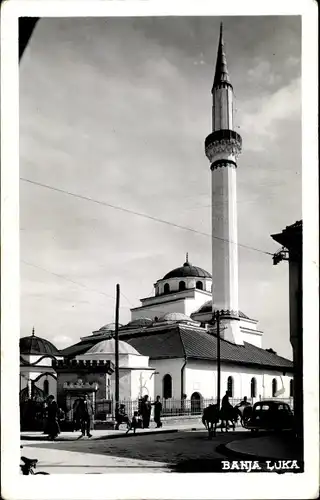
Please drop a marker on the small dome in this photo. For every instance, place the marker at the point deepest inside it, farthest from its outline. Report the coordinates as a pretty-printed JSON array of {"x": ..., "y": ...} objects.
[
  {"x": 108, "y": 347},
  {"x": 174, "y": 316},
  {"x": 187, "y": 270},
  {"x": 37, "y": 345},
  {"x": 109, "y": 327},
  {"x": 137, "y": 323}
]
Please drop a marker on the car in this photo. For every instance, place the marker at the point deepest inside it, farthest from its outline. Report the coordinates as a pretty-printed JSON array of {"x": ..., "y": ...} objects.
[{"x": 270, "y": 415}]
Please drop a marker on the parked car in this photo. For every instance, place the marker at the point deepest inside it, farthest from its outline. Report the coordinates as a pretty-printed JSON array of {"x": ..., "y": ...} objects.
[{"x": 270, "y": 415}]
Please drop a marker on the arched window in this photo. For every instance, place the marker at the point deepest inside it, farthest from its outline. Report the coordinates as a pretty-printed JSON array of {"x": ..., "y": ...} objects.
[
  {"x": 274, "y": 387},
  {"x": 46, "y": 387},
  {"x": 199, "y": 285},
  {"x": 253, "y": 388},
  {"x": 182, "y": 285},
  {"x": 230, "y": 386},
  {"x": 167, "y": 386},
  {"x": 166, "y": 288},
  {"x": 291, "y": 388}
]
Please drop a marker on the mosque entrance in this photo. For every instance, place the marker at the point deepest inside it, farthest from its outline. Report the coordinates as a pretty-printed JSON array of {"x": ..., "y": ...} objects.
[{"x": 196, "y": 403}]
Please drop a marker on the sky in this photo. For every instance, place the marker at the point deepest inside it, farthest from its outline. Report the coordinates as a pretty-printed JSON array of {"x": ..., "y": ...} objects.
[{"x": 117, "y": 110}]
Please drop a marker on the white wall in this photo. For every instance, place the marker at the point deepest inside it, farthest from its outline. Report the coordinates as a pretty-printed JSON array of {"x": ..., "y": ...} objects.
[
  {"x": 142, "y": 383},
  {"x": 190, "y": 283},
  {"x": 171, "y": 367},
  {"x": 201, "y": 377},
  {"x": 189, "y": 303},
  {"x": 158, "y": 310}
]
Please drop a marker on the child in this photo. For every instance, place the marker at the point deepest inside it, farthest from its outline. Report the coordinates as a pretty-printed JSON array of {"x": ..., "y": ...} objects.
[{"x": 135, "y": 423}]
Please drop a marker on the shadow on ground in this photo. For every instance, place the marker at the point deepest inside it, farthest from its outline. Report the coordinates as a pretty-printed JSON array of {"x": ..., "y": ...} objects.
[{"x": 176, "y": 448}]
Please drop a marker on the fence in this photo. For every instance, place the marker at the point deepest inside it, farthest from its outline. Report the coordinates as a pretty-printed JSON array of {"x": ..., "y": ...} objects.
[{"x": 104, "y": 409}]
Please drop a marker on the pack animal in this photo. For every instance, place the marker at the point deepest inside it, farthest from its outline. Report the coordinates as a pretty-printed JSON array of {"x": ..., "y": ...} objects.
[{"x": 212, "y": 416}]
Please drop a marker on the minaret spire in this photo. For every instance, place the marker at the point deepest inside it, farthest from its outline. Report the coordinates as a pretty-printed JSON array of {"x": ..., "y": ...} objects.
[
  {"x": 221, "y": 74},
  {"x": 222, "y": 148}
]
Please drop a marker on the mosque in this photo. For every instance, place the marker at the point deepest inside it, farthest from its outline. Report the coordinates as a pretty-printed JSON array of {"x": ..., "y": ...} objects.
[{"x": 169, "y": 348}]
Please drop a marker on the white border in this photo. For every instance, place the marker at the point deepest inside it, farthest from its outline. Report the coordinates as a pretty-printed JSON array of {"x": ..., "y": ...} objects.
[{"x": 186, "y": 486}]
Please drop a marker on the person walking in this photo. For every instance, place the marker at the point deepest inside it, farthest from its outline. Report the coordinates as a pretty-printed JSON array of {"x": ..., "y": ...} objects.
[
  {"x": 157, "y": 411},
  {"x": 53, "y": 428},
  {"x": 86, "y": 416},
  {"x": 145, "y": 411}
]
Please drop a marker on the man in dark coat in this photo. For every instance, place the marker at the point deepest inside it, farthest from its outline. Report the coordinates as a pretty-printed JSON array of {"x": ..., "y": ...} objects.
[
  {"x": 145, "y": 411},
  {"x": 86, "y": 415},
  {"x": 157, "y": 411},
  {"x": 53, "y": 428}
]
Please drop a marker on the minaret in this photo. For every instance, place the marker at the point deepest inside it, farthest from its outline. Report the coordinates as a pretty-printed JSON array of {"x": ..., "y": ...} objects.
[{"x": 222, "y": 148}]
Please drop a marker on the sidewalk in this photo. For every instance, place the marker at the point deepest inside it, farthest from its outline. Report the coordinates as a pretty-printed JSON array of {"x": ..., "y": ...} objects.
[
  {"x": 55, "y": 461},
  {"x": 167, "y": 427},
  {"x": 270, "y": 447}
]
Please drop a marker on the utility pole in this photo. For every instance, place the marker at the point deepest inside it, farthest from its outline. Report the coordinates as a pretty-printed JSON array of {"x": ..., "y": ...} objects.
[
  {"x": 218, "y": 360},
  {"x": 116, "y": 350}
]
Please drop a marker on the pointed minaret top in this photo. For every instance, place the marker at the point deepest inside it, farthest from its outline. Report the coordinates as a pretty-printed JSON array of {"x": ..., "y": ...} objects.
[
  {"x": 33, "y": 332},
  {"x": 221, "y": 74}
]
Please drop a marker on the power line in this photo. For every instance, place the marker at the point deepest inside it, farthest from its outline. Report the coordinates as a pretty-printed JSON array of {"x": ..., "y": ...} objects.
[
  {"x": 146, "y": 216},
  {"x": 123, "y": 295},
  {"x": 68, "y": 279}
]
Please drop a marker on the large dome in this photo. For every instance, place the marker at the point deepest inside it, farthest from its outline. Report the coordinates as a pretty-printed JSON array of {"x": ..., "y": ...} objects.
[
  {"x": 108, "y": 347},
  {"x": 37, "y": 345},
  {"x": 187, "y": 270}
]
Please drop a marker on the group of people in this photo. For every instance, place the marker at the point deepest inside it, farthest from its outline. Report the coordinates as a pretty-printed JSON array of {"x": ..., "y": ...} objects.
[
  {"x": 82, "y": 417},
  {"x": 141, "y": 418}
]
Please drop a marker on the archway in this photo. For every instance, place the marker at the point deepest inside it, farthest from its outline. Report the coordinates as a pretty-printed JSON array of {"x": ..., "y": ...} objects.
[
  {"x": 196, "y": 403},
  {"x": 274, "y": 387},
  {"x": 167, "y": 386},
  {"x": 182, "y": 286},
  {"x": 230, "y": 386},
  {"x": 199, "y": 285},
  {"x": 253, "y": 388}
]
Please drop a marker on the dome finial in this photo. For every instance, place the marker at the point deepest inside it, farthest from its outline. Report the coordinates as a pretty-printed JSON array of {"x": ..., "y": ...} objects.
[
  {"x": 187, "y": 263},
  {"x": 33, "y": 332}
]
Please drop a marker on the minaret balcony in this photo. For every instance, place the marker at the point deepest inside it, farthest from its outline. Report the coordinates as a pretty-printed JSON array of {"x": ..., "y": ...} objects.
[{"x": 223, "y": 141}]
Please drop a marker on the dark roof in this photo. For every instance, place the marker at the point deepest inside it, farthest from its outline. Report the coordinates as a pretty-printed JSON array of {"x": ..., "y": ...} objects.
[
  {"x": 221, "y": 73},
  {"x": 37, "y": 345},
  {"x": 207, "y": 308},
  {"x": 291, "y": 237},
  {"x": 178, "y": 341},
  {"x": 187, "y": 270},
  {"x": 195, "y": 343}
]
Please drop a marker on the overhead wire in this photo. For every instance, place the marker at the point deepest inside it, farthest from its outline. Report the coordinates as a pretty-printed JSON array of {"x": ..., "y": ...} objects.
[
  {"x": 72, "y": 281},
  {"x": 133, "y": 212}
]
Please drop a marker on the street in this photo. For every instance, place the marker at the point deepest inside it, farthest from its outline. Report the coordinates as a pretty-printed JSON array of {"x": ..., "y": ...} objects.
[{"x": 166, "y": 452}]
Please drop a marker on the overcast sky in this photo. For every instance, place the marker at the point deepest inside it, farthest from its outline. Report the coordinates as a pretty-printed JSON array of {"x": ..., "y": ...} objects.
[{"x": 117, "y": 110}]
